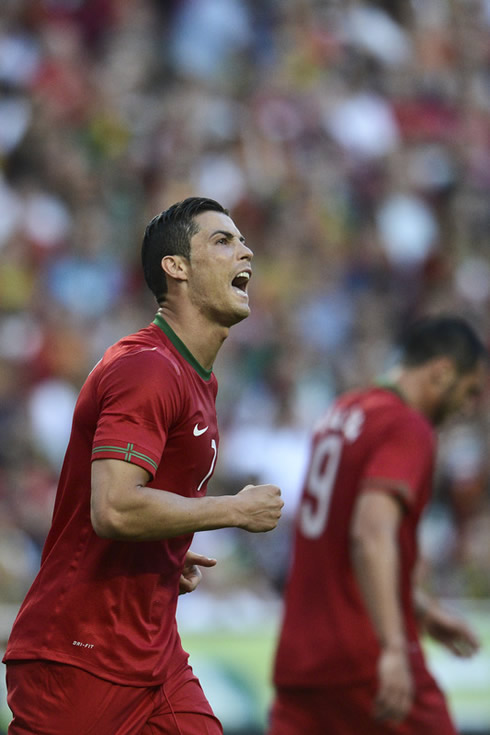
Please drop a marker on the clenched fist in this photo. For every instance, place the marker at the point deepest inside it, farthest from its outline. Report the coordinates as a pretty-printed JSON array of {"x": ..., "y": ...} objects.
[{"x": 259, "y": 507}]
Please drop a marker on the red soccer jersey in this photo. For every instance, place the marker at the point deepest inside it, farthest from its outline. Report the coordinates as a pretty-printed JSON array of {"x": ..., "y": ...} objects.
[
  {"x": 109, "y": 606},
  {"x": 327, "y": 636}
]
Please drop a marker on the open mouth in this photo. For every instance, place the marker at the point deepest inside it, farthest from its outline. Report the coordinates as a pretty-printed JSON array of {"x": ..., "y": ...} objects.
[{"x": 241, "y": 280}]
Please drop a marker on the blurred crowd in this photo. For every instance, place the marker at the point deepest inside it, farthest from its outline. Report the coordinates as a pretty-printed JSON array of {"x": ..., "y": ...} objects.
[{"x": 351, "y": 141}]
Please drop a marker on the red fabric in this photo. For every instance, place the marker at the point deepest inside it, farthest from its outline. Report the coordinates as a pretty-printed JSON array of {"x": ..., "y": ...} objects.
[
  {"x": 45, "y": 698},
  {"x": 367, "y": 438},
  {"x": 348, "y": 709},
  {"x": 109, "y": 606}
]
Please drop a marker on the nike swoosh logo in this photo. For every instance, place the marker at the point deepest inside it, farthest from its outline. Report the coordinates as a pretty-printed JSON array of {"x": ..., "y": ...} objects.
[{"x": 197, "y": 431}]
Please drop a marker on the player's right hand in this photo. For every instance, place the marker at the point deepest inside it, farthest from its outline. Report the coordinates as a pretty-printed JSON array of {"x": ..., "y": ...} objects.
[
  {"x": 395, "y": 694},
  {"x": 259, "y": 507}
]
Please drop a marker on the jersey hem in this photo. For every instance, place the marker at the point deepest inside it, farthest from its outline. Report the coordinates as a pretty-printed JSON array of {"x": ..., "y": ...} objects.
[
  {"x": 61, "y": 658},
  {"x": 396, "y": 488}
]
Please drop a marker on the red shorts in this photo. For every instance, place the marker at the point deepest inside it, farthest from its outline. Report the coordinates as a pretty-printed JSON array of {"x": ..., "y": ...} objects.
[
  {"x": 49, "y": 698},
  {"x": 340, "y": 710}
]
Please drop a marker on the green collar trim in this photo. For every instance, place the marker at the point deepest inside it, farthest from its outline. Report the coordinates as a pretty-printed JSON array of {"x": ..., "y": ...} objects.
[
  {"x": 180, "y": 347},
  {"x": 387, "y": 385}
]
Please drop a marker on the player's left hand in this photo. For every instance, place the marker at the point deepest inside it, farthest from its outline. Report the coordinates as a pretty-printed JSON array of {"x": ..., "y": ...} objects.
[
  {"x": 451, "y": 631},
  {"x": 394, "y": 697},
  {"x": 191, "y": 573}
]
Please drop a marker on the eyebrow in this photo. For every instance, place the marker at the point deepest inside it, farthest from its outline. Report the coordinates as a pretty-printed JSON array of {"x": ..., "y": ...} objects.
[{"x": 228, "y": 235}]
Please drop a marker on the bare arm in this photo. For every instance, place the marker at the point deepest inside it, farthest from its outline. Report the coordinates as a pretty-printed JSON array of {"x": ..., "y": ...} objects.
[
  {"x": 123, "y": 507},
  {"x": 374, "y": 549}
]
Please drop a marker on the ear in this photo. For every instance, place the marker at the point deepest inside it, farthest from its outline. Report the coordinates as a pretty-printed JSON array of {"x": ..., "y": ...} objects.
[
  {"x": 175, "y": 266},
  {"x": 443, "y": 372}
]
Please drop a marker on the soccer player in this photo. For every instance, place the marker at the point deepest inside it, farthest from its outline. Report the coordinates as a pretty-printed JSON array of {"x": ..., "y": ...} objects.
[
  {"x": 95, "y": 646},
  {"x": 349, "y": 659}
]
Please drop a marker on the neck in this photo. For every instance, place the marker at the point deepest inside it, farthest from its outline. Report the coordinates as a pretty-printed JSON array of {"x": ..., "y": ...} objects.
[
  {"x": 411, "y": 387},
  {"x": 202, "y": 338}
]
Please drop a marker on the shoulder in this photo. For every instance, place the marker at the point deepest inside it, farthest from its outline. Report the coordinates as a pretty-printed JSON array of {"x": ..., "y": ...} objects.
[
  {"x": 393, "y": 409},
  {"x": 141, "y": 352},
  {"x": 138, "y": 365},
  {"x": 387, "y": 417},
  {"x": 405, "y": 433}
]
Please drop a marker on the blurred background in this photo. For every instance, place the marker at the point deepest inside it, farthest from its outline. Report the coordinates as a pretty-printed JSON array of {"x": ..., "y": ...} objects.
[{"x": 351, "y": 141}]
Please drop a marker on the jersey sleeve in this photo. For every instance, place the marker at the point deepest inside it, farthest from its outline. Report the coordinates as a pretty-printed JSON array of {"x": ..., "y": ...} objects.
[
  {"x": 402, "y": 459},
  {"x": 138, "y": 397}
]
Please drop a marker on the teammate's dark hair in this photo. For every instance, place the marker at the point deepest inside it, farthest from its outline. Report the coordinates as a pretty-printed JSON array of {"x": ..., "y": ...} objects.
[
  {"x": 170, "y": 233},
  {"x": 442, "y": 336}
]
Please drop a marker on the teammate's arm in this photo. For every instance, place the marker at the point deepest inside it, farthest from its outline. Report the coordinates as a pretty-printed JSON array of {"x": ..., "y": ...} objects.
[
  {"x": 445, "y": 627},
  {"x": 374, "y": 551},
  {"x": 124, "y": 508}
]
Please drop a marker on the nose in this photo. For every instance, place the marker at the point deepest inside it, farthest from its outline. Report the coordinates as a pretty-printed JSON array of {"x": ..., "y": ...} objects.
[{"x": 245, "y": 252}]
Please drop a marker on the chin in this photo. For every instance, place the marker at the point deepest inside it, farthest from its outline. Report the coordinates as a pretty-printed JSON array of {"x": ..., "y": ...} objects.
[
  {"x": 238, "y": 316},
  {"x": 241, "y": 316}
]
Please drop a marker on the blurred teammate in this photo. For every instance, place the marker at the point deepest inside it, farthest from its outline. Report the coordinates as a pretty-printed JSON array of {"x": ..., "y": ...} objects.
[
  {"x": 349, "y": 658},
  {"x": 95, "y": 646}
]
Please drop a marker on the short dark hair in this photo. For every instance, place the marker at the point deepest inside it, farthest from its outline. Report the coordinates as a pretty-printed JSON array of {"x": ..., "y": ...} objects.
[
  {"x": 170, "y": 233},
  {"x": 442, "y": 336}
]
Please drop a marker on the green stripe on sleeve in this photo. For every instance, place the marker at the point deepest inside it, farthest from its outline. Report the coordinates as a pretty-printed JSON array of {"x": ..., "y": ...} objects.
[{"x": 129, "y": 452}]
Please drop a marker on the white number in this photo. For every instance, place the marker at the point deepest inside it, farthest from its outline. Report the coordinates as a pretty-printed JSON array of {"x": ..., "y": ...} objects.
[
  {"x": 210, "y": 472},
  {"x": 319, "y": 485}
]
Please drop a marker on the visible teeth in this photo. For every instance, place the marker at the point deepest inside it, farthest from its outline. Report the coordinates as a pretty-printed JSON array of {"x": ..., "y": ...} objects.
[{"x": 243, "y": 274}]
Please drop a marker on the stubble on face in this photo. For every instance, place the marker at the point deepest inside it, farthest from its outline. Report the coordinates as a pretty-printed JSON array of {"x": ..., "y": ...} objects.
[
  {"x": 463, "y": 391},
  {"x": 217, "y": 254}
]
